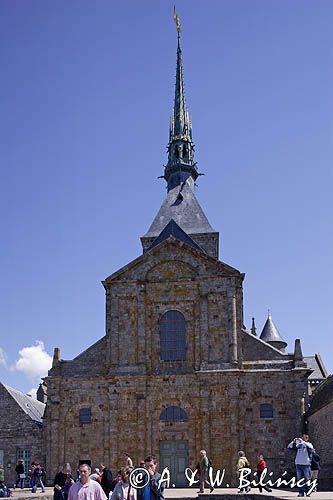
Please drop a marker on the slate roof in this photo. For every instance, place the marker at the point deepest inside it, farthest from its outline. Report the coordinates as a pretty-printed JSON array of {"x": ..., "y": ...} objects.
[
  {"x": 33, "y": 408},
  {"x": 172, "y": 229},
  {"x": 316, "y": 364},
  {"x": 182, "y": 206},
  {"x": 322, "y": 396},
  {"x": 270, "y": 333}
]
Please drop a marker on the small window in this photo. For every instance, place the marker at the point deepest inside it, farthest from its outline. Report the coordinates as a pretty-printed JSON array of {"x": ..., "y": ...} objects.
[
  {"x": 173, "y": 414},
  {"x": 266, "y": 410},
  {"x": 85, "y": 416}
]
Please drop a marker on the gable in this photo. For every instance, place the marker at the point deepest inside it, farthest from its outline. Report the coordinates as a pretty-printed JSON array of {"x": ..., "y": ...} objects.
[
  {"x": 172, "y": 229},
  {"x": 171, "y": 251}
]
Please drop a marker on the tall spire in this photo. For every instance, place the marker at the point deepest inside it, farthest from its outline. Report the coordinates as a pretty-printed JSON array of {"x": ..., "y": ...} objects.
[{"x": 180, "y": 164}]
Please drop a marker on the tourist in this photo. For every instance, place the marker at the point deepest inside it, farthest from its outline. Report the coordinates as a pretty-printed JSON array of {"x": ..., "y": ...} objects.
[
  {"x": 303, "y": 461},
  {"x": 242, "y": 463},
  {"x": 261, "y": 466},
  {"x": 123, "y": 489},
  {"x": 20, "y": 474},
  {"x": 152, "y": 491},
  {"x": 62, "y": 482},
  {"x": 203, "y": 468},
  {"x": 96, "y": 475},
  {"x": 4, "y": 491},
  {"x": 128, "y": 461},
  {"x": 38, "y": 474},
  {"x": 31, "y": 474},
  {"x": 117, "y": 478},
  {"x": 106, "y": 479},
  {"x": 85, "y": 488},
  {"x": 315, "y": 467}
]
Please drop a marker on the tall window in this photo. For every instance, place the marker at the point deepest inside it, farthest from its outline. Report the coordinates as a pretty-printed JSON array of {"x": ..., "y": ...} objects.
[
  {"x": 24, "y": 455},
  {"x": 266, "y": 410},
  {"x": 85, "y": 416},
  {"x": 173, "y": 336},
  {"x": 173, "y": 414}
]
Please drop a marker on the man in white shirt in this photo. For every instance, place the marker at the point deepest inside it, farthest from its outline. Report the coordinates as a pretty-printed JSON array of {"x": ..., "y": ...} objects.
[
  {"x": 303, "y": 462},
  {"x": 86, "y": 488}
]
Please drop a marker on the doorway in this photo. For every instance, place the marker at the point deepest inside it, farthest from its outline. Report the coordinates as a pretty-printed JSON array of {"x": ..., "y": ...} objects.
[
  {"x": 88, "y": 462},
  {"x": 174, "y": 455}
]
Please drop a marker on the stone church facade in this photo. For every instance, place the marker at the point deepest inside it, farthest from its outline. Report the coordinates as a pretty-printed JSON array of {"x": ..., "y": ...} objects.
[{"x": 176, "y": 370}]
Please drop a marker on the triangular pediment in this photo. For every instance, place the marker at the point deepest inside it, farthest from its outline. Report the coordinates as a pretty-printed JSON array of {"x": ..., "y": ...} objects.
[{"x": 171, "y": 250}]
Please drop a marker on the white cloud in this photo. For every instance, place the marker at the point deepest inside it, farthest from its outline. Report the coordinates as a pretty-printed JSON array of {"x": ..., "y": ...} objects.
[
  {"x": 34, "y": 361},
  {"x": 3, "y": 358},
  {"x": 33, "y": 392}
]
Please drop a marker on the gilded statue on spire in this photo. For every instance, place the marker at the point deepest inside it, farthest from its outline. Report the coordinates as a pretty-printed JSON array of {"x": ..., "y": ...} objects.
[{"x": 176, "y": 19}]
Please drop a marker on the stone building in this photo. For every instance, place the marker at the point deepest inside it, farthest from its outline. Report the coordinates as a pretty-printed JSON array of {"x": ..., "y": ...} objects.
[
  {"x": 20, "y": 430},
  {"x": 319, "y": 372},
  {"x": 320, "y": 426},
  {"x": 176, "y": 370}
]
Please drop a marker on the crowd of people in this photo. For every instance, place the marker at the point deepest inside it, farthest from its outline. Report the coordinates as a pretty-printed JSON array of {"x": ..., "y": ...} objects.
[
  {"x": 100, "y": 484},
  {"x": 307, "y": 465},
  {"x": 35, "y": 477}
]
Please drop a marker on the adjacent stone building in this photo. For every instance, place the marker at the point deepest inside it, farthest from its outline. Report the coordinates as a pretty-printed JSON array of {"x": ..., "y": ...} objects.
[
  {"x": 176, "y": 370},
  {"x": 20, "y": 430},
  {"x": 319, "y": 372},
  {"x": 320, "y": 425}
]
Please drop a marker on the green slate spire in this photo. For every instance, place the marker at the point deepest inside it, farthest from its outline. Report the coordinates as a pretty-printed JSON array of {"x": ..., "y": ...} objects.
[{"x": 181, "y": 163}]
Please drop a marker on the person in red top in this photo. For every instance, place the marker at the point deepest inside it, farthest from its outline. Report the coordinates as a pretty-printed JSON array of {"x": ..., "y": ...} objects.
[{"x": 260, "y": 468}]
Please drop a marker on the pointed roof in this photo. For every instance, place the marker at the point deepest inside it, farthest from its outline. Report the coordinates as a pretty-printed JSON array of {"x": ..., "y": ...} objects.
[
  {"x": 181, "y": 164},
  {"x": 317, "y": 365},
  {"x": 172, "y": 229},
  {"x": 270, "y": 333},
  {"x": 33, "y": 408},
  {"x": 182, "y": 206},
  {"x": 181, "y": 122}
]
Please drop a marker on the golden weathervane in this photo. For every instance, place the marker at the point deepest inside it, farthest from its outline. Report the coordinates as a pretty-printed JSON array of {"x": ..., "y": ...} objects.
[{"x": 176, "y": 19}]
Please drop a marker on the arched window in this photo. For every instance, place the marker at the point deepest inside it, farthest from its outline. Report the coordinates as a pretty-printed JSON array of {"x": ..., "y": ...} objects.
[
  {"x": 266, "y": 410},
  {"x": 173, "y": 336},
  {"x": 173, "y": 414}
]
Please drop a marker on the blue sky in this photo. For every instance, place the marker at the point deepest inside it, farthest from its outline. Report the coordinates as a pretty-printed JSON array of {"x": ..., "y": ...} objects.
[{"x": 87, "y": 90}]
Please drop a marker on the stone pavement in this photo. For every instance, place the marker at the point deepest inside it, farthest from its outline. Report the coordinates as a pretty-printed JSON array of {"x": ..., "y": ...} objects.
[{"x": 189, "y": 493}]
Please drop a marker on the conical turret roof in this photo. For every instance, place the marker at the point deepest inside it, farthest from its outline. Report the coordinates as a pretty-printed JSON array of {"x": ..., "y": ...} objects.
[{"x": 271, "y": 334}]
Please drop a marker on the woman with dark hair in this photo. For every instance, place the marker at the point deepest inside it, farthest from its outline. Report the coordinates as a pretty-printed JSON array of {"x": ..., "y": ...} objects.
[{"x": 20, "y": 473}]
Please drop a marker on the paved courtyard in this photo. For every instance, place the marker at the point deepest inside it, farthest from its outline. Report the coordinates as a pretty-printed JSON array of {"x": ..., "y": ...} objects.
[{"x": 184, "y": 493}]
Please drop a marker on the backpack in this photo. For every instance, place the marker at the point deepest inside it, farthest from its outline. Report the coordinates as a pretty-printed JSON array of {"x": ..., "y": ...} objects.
[{"x": 210, "y": 463}]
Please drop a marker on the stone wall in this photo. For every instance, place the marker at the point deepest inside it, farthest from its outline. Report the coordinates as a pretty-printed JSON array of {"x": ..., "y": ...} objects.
[
  {"x": 223, "y": 411},
  {"x": 321, "y": 435},
  {"x": 127, "y": 385}
]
